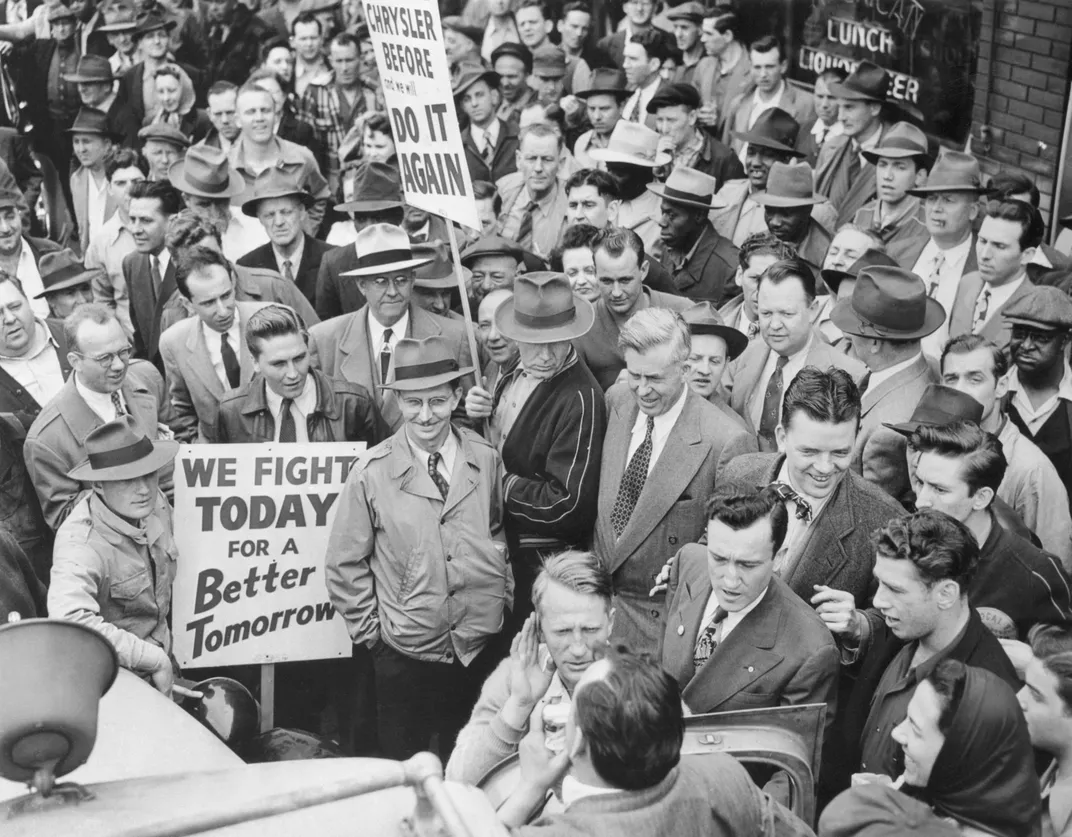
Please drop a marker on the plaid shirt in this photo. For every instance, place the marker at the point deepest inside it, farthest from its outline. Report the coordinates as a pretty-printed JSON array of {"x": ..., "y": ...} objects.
[{"x": 322, "y": 109}]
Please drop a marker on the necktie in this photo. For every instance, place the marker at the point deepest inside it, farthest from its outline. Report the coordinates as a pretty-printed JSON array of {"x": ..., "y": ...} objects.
[
  {"x": 787, "y": 493},
  {"x": 288, "y": 431},
  {"x": 634, "y": 111},
  {"x": 385, "y": 354},
  {"x": 636, "y": 472},
  {"x": 865, "y": 382},
  {"x": 230, "y": 362},
  {"x": 753, "y": 329},
  {"x": 288, "y": 272},
  {"x": 489, "y": 150},
  {"x": 154, "y": 271},
  {"x": 819, "y": 140},
  {"x": 524, "y": 230},
  {"x": 708, "y": 639},
  {"x": 437, "y": 478},
  {"x": 772, "y": 404},
  {"x": 117, "y": 402},
  {"x": 936, "y": 273},
  {"x": 982, "y": 305}
]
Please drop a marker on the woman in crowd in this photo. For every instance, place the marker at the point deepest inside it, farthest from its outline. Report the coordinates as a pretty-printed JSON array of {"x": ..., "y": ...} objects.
[
  {"x": 574, "y": 258},
  {"x": 175, "y": 104}
]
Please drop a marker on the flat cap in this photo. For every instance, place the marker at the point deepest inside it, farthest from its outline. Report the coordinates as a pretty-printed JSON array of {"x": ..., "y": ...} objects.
[
  {"x": 679, "y": 93},
  {"x": 549, "y": 61},
  {"x": 691, "y": 11},
  {"x": 491, "y": 245},
  {"x": 519, "y": 51},
  {"x": 164, "y": 133},
  {"x": 1043, "y": 307}
]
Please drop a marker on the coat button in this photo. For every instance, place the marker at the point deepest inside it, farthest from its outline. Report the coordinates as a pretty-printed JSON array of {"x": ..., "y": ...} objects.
[
  {"x": 750, "y": 669},
  {"x": 673, "y": 539},
  {"x": 680, "y": 630},
  {"x": 655, "y": 614},
  {"x": 448, "y": 559}
]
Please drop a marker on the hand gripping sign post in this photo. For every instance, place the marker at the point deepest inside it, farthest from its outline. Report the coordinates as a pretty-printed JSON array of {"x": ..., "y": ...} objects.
[
  {"x": 408, "y": 39},
  {"x": 252, "y": 525}
]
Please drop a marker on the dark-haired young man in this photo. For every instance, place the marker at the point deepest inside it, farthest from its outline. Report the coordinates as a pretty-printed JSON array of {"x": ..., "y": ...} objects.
[{"x": 643, "y": 59}]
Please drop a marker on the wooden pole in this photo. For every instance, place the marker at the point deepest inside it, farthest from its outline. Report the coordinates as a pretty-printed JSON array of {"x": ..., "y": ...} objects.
[
  {"x": 470, "y": 329},
  {"x": 267, "y": 696}
]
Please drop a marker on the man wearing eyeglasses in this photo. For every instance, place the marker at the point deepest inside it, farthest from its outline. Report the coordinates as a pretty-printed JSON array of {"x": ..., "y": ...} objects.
[{"x": 106, "y": 385}]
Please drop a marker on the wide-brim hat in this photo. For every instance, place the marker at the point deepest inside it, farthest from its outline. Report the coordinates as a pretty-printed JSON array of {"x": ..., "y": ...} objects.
[
  {"x": 91, "y": 69},
  {"x": 470, "y": 74},
  {"x": 119, "y": 450},
  {"x": 383, "y": 249},
  {"x": 939, "y": 406},
  {"x": 274, "y": 182},
  {"x": 632, "y": 144},
  {"x": 61, "y": 270},
  {"x": 439, "y": 272},
  {"x": 774, "y": 129},
  {"x": 61, "y": 12},
  {"x": 888, "y": 303},
  {"x": 870, "y": 258},
  {"x": 92, "y": 121},
  {"x": 376, "y": 188},
  {"x": 688, "y": 187},
  {"x": 549, "y": 61},
  {"x": 605, "y": 81},
  {"x": 424, "y": 363},
  {"x": 901, "y": 141},
  {"x": 123, "y": 23},
  {"x": 205, "y": 172},
  {"x": 703, "y": 318},
  {"x": 789, "y": 184},
  {"x": 544, "y": 309},
  {"x": 492, "y": 245},
  {"x": 867, "y": 83},
  {"x": 954, "y": 171},
  {"x": 151, "y": 21}
]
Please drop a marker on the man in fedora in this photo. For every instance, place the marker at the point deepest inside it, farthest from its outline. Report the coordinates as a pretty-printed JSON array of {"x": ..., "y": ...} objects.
[
  {"x": 435, "y": 284},
  {"x": 842, "y": 174},
  {"x": 714, "y": 346},
  {"x": 152, "y": 39},
  {"x": 280, "y": 203},
  {"x": 490, "y": 142},
  {"x": 895, "y": 215},
  {"x": 676, "y": 107},
  {"x": 632, "y": 156},
  {"x": 493, "y": 262},
  {"x": 92, "y": 200},
  {"x": 642, "y": 62},
  {"x": 377, "y": 200},
  {"x": 208, "y": 182},
  {"x": 664, "y": 446},
  {"x": 839, "y": 275},
  {"x": 427, "y": 498},
  {"x": 758, "y": 252},
  {"x": 359, "y": 346},
  {"x": 232, "y": 33},
  {"x": 97, "y": 89},
  {"x": 512, "y": 62},
  {"x": 603, "y": 99},
  {"x": 68, "y": 285},
  {"x": 118, "y": 29},
  {"x": 787, "y": 204},
  {"x": 886, "y": 317},
  {"x": 701, "y": 263},
  {"x": 115, "y": 554},
  {"x": 547, "y": 419}
]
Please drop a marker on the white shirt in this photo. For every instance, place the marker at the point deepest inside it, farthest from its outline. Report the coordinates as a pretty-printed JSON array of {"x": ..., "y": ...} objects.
[
  {"x": 30, "y": 277},
  {"x": 97, "y": 202},
  {"x": 797, "y": 530},
  {"x": 38, "y": 371},
  {"x": 376, "y": 330},
  {"x": 482, "y": 136},
  {"x": 998, "y": 297},
  {"x": 300, "y": 408},
  {"x": 294, "y": 258},
  {"x": 660, "y": 430},
  {"x": 448, "y": 453},
  {"x": 642, "y": 95},
  {"x": 789, "y": 371},
  {"x": 733, "y": 619},
  {"x": 1034, "y": 417},
  {"x": 99, "y": 402},
  {"x": 878, "y": 377},
  {"x": 243, "y": 234},
  {"x": 821, "y": 129},
  {"x": 214, "y": 341},
  {"x": 163, "y": 259},
  {"x": 760, "y": 103},
  {"x": 953, "y": 264}
]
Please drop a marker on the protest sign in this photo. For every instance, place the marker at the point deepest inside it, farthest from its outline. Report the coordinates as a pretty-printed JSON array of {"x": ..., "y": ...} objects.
[
  {"x": 252, "y": 525},
  {"x": 408, "y": 39}
]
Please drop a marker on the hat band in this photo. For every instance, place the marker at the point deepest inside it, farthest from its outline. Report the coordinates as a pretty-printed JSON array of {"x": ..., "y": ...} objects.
[
  {"x": 881, "y": 330},
  {"x": 545, "y": 320},
  {"x": 426, "y": 370},
  {"x": 899, "y": 144},
  {"x": 141, "y": 449},
  {"x": 383, "y": 257},
  {"x": 677, "y": 194},
  {"x": 62, "y": 275},
  {"x": 213, "y": 187}
]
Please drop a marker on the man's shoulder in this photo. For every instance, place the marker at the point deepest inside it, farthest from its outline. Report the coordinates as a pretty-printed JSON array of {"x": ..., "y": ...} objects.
[
  {"x": 671, "y": 301},
  {"x": 333, "y": 328},
  {"x": 871, "y": 500},
  {"x": 131, "y": 260},
  {"x": 142, "y": 374},
  {"x": 802, "y": 623},
  {"x": 822, "y": 354},
  {"x": 176, "y": 334},
  {"x": 751, "y": 469}
]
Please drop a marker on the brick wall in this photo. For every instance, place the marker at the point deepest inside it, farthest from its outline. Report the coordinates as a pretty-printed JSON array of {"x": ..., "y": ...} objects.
[{"x": 1024, "y": 59}]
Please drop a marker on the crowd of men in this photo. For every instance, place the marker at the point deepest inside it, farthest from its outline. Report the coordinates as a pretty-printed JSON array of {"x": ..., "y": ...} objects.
[{"x": 771, "y": 402}]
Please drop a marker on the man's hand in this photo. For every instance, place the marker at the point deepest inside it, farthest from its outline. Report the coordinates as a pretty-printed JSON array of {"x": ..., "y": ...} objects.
[
  {"x": 540, "y": 768},
  {"x": 662, "y": 580},
  {"x": 163, "y": 674},
  {"x": 837, "y": 609},
  {"x": 708, "y": 115},
  {"x": 528, "y": 679},
  {"x": 570, "y": 105},
  {"x": 478, "y": 401},
  {"x": 666, "y": 144}
]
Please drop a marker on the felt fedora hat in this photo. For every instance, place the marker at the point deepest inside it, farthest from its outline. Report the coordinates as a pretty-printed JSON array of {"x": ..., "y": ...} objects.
[
  {"x": 91, "y": 69},
  {"x": 492, "y": 245},
  {"x": 902, "y": 140},
  {"x": 549, "y": 61},
  {"x": 383, "y": 249},
  {"x": 703, "y": 318},
  {"x": 789, "y": 184},
  {"x": 274, "y": 182},
  {"x": 633, "y": 144},
  {"x": 205, "y": 172},
  {"x": 61, "y": 270},
  {"x": 774, "y": 129},
  {"x": 888, "y": 303},
  {"x": 605, "y": 81},
  {"x": 470, "y": 74},
  {"x": 954, "y": 171},
  {"x": 92, "y": 121},
  {"x": 152, "y": 20},
  {"x": 119, "y": 450},
  {"x": 423, "y": 364},
  {"x": 867, "y": 83},
  {"x": 438, "y": 274},
  {"x": 544, "y": 309},
  {"x": 870, "y": 258},
  {"x": 165, "y": 133},
  {"x": 688, "y": 187},
  {"x": 940, "y": 405},
  {"x": 121, "y": 20},
  {"x": 61, "y": 12},
  {"x": 376, "y": 188}
]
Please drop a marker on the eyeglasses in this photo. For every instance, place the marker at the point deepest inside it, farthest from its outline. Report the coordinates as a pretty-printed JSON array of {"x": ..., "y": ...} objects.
[
  {"x": 1021, "y": 334},
  {"x": 107, "y": 360},
  {"x": 380, "y": 283}
]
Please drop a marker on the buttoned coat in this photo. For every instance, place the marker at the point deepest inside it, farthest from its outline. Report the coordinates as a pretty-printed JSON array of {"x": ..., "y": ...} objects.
[
  {"x": 780, "y": 654},
  {"x": 503, "y": 158},
  {"x": 56, "y": 441},
  {"x": 879, "y": 454},
  {"x": 313, "y": 252},
  {"x": 998, "y": 330},
  {"x": 670, "y": 510},
  {"x": 194, "y": 388},
  {"x": 838, "y": 550},
  {"x": 344, "y": 346}
]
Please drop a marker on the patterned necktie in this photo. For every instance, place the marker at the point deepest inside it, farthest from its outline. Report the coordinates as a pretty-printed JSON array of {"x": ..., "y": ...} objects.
[
  {"x": 524, "y": 229},
  {"x": 437, "y": 478},
  {"x": 772, "y": 403},
  {"x": 489, "y": 150},
  {"x": 982, "y": 305},
  {"x": 117, "y": 402},
  {"x": 288, "y": 271},
  {"x": 787, "y": 493},
  {"x": 636, "y": 472},
  {"x": 707, "y": 641},
  {"x": 753, "y": 329},
  {"x": 288, "y": 430},
  {"x": 385, "y": 354},
  {"x": 230, "y": 362},
  {"x": 634, "y": 111},
  {"x": 936, "y": 273}
]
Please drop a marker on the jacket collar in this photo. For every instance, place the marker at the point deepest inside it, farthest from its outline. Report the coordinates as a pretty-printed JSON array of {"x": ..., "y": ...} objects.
[
  {"x": 327, "y": 404},
  {"x": 118, "y": 531}
]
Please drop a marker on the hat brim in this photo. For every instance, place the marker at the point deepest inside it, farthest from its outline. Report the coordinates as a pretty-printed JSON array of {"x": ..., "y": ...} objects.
[
  {"x": 236, "y": 183},
  {"x": 607, "y": 155},
  {"x": 164, "y": 24},
  {"x": 834, "y": 278},
  {"x": 163, "y": 453},
  {"x": 114, "y": 137},
  {"x": 659, "y": 189},
  {"x": 905, "y": 429},
  {"x": 413, "y": 384},
  {"x": 517, "y": 255},
  {"x": 874, "y": 154},
  {"x": 250, "y": 207},
  {"x": 368, "y": 207},
  {"x": 763, "y": 199},
  {"x": 73, "y": 282},
  {"x": 114, "y": 28},
  {"x": 443, "y": 283},
  {"x": 579, "y": 326},
  {"x": 923, "y": 191},
  {"x": 487, "y": 74},
  {"x": 390, "y": 267},
  {"x": 736, "y": 341},
  {"x": 845, "y": 318},
  {"x": 766, "y": 142},
  {"x": 603, "y": 91},
  {"x": 1032, "y": 323},
  {"x": 78, "y": 78}
]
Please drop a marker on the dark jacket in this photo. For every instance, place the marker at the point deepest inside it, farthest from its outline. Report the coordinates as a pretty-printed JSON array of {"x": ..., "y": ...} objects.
[
  {"x": 16, "y": 400},
  {"x": 16, "y": 153},
  {"x": 122, "y": 121},
  {"x": 336, "y": 294},
  {"x": 293, "y": 129},
  {"x": 20, "y": 510},
  {"x": 306, "y": 274},
  {"x": 1054, "y": 439},
  {"x": 503, "y": 161},
  {"x": 345, "y": 412},
  {"x": 21, "y": 591},
  {"x": 717, "y": 160},
  {"x": 708, "y": 274},
  {"x": 147, "y": 304},
  {"x": 238, "y": 55}
]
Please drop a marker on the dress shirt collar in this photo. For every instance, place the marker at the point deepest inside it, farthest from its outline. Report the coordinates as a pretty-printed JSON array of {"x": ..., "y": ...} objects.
[
  {"x": 376, "y": 330},
  {"x": 99, "y": 402},
  {"x": 1001, "y": 294},
  {"x": 294, "y": 258},
  {"x": 870, "y": 143},
  {"x": 769, "y": 101},
  {"x": 306, "y": 402},
  {"x": 449, "y": 452},
  {"x": 815, "y": 503},
  {"x": 665, "y": 423},
  {"x": 878, "y": 377},
  {"x": 733, "y": 619},
  {"x": 820, "y": 129},
  {"x": 481, "y": 136},
  {"x": 1064, "y": 389},
  {"x": 574, "y": 790},
  {"x": 163, "y": 259},
  {"x": 215, "y": 338}
]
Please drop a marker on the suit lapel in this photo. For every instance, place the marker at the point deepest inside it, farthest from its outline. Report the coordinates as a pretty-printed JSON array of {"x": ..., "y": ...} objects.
[
  {"x": 356, "y": 349},
  {"x": 960, "y": 320},
  {"x": 746, "y": 377},
  {"x": 891, "y": 385},
  {"x": 823, "y": 553},
  {"x": 199, "y": 362},
  {"x": 615, "y": 450}
]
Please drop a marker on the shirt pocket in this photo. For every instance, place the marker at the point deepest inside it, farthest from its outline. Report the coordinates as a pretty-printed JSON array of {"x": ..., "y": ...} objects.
[{"x": 130, "y": 590}]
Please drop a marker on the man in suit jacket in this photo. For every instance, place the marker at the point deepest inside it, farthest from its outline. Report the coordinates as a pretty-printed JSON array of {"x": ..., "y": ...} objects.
[
  {"x": 93, "y": 201},
  {"x": 205, "y": 355},
  {"x": 97, "y": 89},
  {"x": 105, "y": 384},
  {"x": 1007, "y": 240},
  {"x": 153, "y": 43},
  {"x": 490, "y": 143},
  {"x": 20, "y": 255},
  {"x": 645, "y": 53},
  {"x": 638, "y": 19},
  {"x": 887, "y": 315},
  {"x": 665, "y": 450},
  {"x": 744, "y": 640}
]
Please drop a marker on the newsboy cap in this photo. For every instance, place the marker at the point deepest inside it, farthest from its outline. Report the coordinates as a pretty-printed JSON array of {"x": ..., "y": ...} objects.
[
  {"x": 678, "y": 93},
  {"x": 1043, "y": 307}
]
